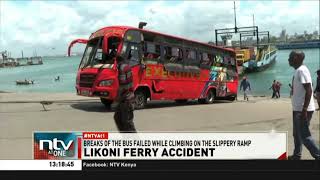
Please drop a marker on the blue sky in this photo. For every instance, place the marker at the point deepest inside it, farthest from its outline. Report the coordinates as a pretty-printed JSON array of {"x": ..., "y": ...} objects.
[{"x": 40, "y": 25}]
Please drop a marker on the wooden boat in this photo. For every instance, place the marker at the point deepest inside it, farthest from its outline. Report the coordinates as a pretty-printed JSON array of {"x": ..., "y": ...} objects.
[
  {"x": 24, "y": 82},
  {"x": 266, "y": 57}
]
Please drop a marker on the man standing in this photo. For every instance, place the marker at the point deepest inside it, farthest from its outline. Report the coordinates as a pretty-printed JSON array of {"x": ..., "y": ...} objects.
[
  {"x": 302, "y": 106},
  {"x": 277, "y": 88},
  {"x": 245, "y": 85},
  {"x": 124, "y": 103},
  {"x": 273, "y": 87}
]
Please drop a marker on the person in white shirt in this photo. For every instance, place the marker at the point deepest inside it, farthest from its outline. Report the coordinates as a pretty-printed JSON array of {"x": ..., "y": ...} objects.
[{"x": 302, "y": 107}]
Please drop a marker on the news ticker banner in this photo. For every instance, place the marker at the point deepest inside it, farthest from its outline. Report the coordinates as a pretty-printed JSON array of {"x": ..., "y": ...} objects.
[
  {"x": 110, "y": 150},
  {"x": 159, "y": 146}
]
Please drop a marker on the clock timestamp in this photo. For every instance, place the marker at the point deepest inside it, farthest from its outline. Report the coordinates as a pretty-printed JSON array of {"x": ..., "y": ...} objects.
[{"x": 61, "y": 163}]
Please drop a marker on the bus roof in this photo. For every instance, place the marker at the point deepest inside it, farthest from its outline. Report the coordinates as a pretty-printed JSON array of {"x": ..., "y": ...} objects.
[{"x": 126, "y": 28}]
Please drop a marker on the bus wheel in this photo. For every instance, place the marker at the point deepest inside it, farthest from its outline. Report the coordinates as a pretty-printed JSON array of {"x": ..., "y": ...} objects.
[
  {"x": 233, "y": 98},
  {"x": 181, "y": 101},
  {"x": 209, "y": 98},
  {"x": 106, "y": 102},
  {"x": 140, "y": 100}
]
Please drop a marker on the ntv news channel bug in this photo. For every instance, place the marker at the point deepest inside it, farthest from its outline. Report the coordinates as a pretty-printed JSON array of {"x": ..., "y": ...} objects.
[
  {"x": 56, "y": 145},
  {"x": 62, "y": 145}
]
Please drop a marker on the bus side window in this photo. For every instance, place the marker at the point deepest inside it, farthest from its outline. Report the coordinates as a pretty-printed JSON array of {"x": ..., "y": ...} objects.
[
  {"x": 191, "y": 58},
  {"x": 173, "y": 59},
  {"x": 177, "y": 55},
  {"x": 205, "y": 59},
  {"x": 133, "y": 54},
  {"x": 210, "y": 57},
  {"x": 151, "y": 53}
]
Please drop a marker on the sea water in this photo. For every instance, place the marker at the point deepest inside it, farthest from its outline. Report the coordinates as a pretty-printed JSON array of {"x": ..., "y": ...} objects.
[
  {"x": 43, "y": 75},
  {"x": 281, "y": 71},
  {"x": 66, "y": 67}
]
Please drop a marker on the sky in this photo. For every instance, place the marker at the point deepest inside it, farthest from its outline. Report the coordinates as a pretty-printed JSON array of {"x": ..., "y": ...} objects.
[{"x": 47, "y": 27}]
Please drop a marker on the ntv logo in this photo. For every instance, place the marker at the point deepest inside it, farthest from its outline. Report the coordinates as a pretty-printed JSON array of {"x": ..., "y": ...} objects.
[{"x": 54, "y": 148}]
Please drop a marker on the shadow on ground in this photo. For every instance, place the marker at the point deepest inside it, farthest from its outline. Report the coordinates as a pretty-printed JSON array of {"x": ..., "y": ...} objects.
[{"x": 90, "y": 107}]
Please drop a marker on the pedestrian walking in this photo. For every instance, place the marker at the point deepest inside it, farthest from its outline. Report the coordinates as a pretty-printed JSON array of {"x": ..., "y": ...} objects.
[{"x": 302, "y": 107}]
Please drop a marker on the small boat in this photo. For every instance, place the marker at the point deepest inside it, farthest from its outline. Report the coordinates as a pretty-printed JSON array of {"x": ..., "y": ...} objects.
[
  {"x": 57, "y": 78},
  {"x": 265, "y": 58},
  {"x": 24, "y": 82}
]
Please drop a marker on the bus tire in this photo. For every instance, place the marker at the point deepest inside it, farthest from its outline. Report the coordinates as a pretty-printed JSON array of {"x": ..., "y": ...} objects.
[
  {"x": 209, "y": 99},
  {"x": 140, "y": 99},
  {"x": 232, "y": 98},
  {"x": 201, "y": 101},
  {"x": 181, "y": 101},
  {"x": 106, "y": 102}
]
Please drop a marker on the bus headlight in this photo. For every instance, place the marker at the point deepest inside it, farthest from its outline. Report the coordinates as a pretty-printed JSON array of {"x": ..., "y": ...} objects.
[{"x": 106, "y": 82}]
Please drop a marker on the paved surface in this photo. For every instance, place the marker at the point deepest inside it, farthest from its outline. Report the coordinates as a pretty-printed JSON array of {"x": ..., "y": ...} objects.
[{"x": 21, "y": 114}]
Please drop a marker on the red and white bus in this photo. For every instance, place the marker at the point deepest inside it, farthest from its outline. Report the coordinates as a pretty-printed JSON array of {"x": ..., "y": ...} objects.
[{"x": 165, "y": 67}]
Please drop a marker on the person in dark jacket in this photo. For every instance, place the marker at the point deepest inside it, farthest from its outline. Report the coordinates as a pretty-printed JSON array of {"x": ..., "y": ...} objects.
[
  {"x": 245, "y": 85},
  {"x": 125, "y": 100}
]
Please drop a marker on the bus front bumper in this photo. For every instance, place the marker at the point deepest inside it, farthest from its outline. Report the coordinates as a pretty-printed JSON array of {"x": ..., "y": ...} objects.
[{"x": 105, "y": 92}]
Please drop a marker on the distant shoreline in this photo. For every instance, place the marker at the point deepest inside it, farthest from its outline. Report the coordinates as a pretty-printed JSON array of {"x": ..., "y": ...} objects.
[{"x": 5, "y": 92}]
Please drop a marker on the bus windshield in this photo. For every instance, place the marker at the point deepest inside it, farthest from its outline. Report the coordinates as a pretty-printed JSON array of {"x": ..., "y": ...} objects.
[{"x": 93, "y": 55}]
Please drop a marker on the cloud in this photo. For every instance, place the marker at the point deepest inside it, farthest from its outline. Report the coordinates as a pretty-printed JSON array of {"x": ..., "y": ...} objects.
[
  {"x": 295, "y": 16},
  {"x": 42, "y": 25},
  {"x": 37, "y": 25}
]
